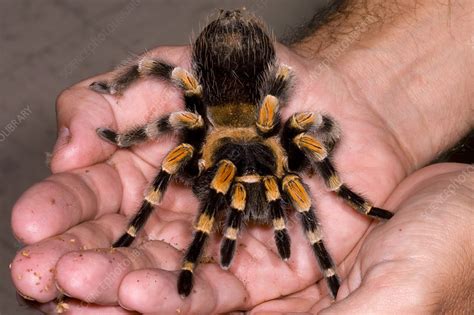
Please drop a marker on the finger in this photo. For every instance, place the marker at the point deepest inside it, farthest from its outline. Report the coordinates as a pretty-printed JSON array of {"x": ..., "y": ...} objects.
[
  {"x": 379, "y": 296},
  {"x": 298, "y": 303},
  {"x": 80, "y": 111},
  {"x": 136, "y": 174},
  {"x": 399, "y": 276},
  {"x": 64, "y": 200},
  {"x": 33, "y": 269},
  {"x": 154, "y": 291},
  {"x": 94, "y": 276}
]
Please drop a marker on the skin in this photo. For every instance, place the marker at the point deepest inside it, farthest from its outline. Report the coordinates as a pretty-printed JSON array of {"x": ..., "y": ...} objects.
[{"x": 389, "y": 100}]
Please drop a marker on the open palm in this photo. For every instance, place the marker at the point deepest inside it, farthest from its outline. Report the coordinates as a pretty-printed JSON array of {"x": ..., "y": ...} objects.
[{"x": 83, "y": 206}]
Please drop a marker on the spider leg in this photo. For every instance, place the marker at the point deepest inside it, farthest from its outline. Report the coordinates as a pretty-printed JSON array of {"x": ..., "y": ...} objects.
[
  {"x": 147, "y": 66},
  {"x": 127, "y": 74},
  {"x": 268, "y": 116},
  {"x": 297, "y": 194},
  {"x": 174, "y": 161},
  {"x": 312, "y": 122},
  {"x": 316, "y": 152},
  {"x": 321, "y": 125},
  {"x": 273, "y": 196},
  {"x": 215, "y": 201},
  {"x": 355, "y": 200},
  {"x": 174, "y": 121},
  {"x": 233, "y": 224}
]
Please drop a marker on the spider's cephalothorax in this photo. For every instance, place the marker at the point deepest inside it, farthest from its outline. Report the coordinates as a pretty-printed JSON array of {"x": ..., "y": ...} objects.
[{"x": 244, "y": 164}]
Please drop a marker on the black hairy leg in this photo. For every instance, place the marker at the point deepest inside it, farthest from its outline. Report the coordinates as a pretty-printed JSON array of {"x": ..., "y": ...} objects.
[
  {"x": 215, "y": 201},
  {"x": 127, "y": 74},
  {"x": 273, "y": 198},
  {"x": 355, "y": 200},
  {"x": 300, "y": 133},
  {"x": 233, "y": 224},
  {"x": 177, "y": 121},
  {"x": 298, "y": 196},
  {"x": 268, "y": 117},
  {"x": 310, "y": 122},
  {"x": 151, "y": 67},
  {"x": 174, "y": 161}
]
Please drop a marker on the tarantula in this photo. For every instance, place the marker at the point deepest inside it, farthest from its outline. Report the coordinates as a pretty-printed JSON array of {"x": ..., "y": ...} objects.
[{"x": 243, "y": 162}]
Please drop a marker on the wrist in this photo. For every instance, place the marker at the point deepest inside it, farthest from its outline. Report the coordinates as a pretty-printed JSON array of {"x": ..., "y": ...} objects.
[{"x": 410, "y": 65}]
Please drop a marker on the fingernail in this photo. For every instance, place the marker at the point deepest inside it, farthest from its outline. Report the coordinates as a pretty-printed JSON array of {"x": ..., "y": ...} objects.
[
  {"x": 26, "y": 297},
  {"x": 64, "y": 136},
  {"x": 61, "y": 292}
]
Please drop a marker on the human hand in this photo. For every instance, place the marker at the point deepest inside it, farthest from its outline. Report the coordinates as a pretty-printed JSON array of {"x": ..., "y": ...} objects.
[
  {"x": 420, "y": 262},
  {"x": 66, "y": 217},
  {"x": 386, "y": 135}
]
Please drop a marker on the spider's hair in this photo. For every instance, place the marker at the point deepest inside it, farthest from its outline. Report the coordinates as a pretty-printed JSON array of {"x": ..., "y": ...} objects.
[{"x": 243, "y": 162}]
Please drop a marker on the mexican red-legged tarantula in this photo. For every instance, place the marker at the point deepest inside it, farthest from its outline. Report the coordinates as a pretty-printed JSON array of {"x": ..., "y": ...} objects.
[{"x": 244, "y": 164}]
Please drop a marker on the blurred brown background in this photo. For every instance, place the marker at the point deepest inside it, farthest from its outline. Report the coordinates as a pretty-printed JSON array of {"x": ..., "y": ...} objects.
[{"x": 48, "y": 45}]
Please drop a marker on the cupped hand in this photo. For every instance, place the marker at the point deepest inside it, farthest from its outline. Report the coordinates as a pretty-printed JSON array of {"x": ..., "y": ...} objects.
[
  {"x": 420, "y": 262},
  {"x": 69, "y": 220}
]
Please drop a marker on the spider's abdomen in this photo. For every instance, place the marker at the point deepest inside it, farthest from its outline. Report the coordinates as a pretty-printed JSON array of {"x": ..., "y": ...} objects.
[{"x": 230, "y": 58}]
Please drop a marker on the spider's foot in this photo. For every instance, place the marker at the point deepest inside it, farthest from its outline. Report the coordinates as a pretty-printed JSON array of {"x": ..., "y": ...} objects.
[
  {"x": 227, "y": 252},
  {"x": 124, "y": 241},
  {"x": 380, "y": 214},
  {"x": 107, "y": 135},
  {"x": 102, "y": 87},
  {"x": 333, "y": 283},
  {"x": 282, "y": 240},
  {"x": 185, "y": 283}
]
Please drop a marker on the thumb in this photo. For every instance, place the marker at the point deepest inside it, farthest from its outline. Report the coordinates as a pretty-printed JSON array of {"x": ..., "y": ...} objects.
[
  {"x": 80, "y": 112},
  {"x": 381, "y": 293}
]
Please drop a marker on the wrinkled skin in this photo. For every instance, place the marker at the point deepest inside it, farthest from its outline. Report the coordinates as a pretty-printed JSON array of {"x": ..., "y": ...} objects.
[{"x": 391, "y": 267}]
